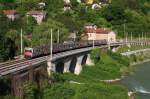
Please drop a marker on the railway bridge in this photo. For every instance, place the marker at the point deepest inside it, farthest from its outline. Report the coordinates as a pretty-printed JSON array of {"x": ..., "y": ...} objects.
[{"x": 69, "y": 61}]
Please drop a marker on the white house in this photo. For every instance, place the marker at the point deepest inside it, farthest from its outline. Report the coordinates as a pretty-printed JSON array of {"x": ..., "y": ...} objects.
[
  {"x": 67, "y": 7},
  {"x": 94, "y": 33},
  {"x": 67, "y": 1},
  {"x": 96, "y": 6},
  {"x": 11, "y": 14},
  {"x": 90, "y": 26},
  {"x": 38, "y": 15}
]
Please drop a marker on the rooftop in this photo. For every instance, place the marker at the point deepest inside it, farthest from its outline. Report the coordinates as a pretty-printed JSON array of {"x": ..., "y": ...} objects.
[
  {"x": 36, "y": 13},
  {"x": 7, "y": 12},
  {"x": 98, "y": 30}
]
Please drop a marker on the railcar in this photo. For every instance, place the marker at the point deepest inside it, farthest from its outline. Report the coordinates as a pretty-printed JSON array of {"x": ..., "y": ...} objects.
[{"x": 61, "y": 47}]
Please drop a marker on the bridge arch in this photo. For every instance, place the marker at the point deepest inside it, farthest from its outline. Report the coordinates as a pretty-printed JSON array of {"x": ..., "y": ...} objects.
[
  {"x": 84, "y": 60},
  {"x": 60, "y": 67},
  {"x": 73, "y": 64}
]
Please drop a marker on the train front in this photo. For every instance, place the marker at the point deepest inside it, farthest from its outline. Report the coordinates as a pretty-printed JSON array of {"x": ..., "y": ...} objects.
[{"x": 28, "y": 53}]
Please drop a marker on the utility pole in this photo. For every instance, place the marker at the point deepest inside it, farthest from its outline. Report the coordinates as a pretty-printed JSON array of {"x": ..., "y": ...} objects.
[
  {"x": 93, "y": 42},
  {"x": 94, "y": 32},
  {"x": 124, "y": 29},
  {"x": 21, "y": 43},
  {"x": 145, "y": 36},
  {"x": 142, "y": 36},
  {"x": 126, "y": 38},
  {"x": 139, "y": 37},
  {"x": 142, "y": 39},
  {"x": 51, "y": 47},
  {"x": 58, "y": 36},
  {"x": 49, "y": 67},
  {"x": 74, "y": 37},
  {"x": 131, "y": 37}
]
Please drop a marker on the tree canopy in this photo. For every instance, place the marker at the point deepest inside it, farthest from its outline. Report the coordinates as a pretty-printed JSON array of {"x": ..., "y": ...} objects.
[{"x": 41, "y": 34}]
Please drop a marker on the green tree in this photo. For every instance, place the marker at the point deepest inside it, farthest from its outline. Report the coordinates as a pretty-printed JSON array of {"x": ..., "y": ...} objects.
[
  {"x": 41, "y": 34},
  {"x": 6, "y": 44},
  {"x": 29, "y": 24},
  {"x": 6, "y": 49},
  {"x": 57, "y": 91},
  {"x": 114, "y": 14},
  {"x": 30, "y": 90},
  {"x": 14, "y": 37},
  {"x": 95, "y": 55}
]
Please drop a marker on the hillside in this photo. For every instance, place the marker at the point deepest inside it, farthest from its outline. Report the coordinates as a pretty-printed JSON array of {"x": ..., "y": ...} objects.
[{"x": 120, "y": 15}]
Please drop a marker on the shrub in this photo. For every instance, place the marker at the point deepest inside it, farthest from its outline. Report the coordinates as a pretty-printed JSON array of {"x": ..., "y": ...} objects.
[
  {"x": 95, "y": 55},
  {"x": 58, "y": 91},
  {"x": 30, "y": 90}
]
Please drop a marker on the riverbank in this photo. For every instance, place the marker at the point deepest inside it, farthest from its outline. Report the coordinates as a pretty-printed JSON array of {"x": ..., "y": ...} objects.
[
  {"x": 130, "y": 70},
  {"x": 139, "y": 81},
  {"x": 141, "y": 62},
  {"x": 123, "y": 76},
  {"x": 133, "y": 94}
]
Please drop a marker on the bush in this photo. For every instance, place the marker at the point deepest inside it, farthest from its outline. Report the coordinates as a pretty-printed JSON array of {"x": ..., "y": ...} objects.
[
  {"x": 95, "y": 55},
  {"x": 30, "y": 90},
  {"x": 58, "y": 91},
  {"x": 5, "y": 86},
  {"x": 119, "y": 58}
]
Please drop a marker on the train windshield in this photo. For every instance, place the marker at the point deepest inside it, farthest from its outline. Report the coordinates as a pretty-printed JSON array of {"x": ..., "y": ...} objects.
[{"x": 28, "y": 50}]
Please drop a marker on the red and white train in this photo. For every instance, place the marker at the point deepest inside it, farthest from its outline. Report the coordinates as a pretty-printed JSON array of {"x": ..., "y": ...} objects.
[{"x": 44, "y": 50}]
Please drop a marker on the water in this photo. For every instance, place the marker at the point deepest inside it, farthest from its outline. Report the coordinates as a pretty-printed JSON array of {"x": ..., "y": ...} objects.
[{"x": 139, "y": 81}]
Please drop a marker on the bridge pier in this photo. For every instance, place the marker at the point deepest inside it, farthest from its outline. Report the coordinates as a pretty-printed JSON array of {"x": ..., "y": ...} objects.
[
  {"x": 88, "y": 60},
  {"x": 78, "y": 67},
  {"x": 67, "y": 66},
  {"x": 51, "y": 67},
  {"x": 114, "y": 49},
  {"x": 17, "y": 81}
]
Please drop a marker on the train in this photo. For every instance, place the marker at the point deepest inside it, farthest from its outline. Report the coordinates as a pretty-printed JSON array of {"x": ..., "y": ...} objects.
[{"x": 39, "y": 51}]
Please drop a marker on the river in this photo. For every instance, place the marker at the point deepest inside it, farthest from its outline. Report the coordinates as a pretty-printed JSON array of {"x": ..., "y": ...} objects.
[{"x": 139, "y": 81}]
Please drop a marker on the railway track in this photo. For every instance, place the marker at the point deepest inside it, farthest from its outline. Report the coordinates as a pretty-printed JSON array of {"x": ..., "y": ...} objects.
[
  {"x": 18, "y": 65},
  {"x": 11, "y": 62}
]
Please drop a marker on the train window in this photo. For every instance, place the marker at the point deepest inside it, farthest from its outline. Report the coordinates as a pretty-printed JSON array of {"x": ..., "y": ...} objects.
[{"x": 28, "y": 51}]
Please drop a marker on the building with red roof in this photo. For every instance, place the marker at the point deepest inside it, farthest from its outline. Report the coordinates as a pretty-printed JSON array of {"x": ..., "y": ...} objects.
[
  {"x": 100, "y": 34},
  {"x": 11, "y": 14},
  {"x": 38, "y": 15}
]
